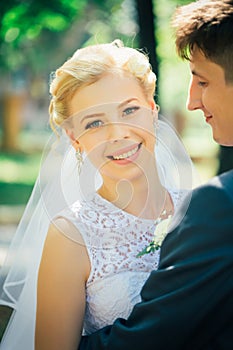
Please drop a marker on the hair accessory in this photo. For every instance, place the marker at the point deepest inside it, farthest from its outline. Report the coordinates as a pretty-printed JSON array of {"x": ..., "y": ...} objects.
[
  {"x": 118, "y": 43},
  {"x": 138, "y": 66}
]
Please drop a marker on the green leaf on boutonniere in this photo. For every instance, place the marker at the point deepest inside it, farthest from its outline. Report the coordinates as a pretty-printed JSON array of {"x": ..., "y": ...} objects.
[{"x": 159, "y": 235}]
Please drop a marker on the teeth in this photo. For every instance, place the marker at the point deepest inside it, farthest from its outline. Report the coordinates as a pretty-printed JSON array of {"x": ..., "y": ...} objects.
[{"x": 126, "y": 155}]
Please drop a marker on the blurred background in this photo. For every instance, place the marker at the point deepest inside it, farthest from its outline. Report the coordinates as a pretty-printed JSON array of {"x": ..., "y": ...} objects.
[{"x": 36, "y": 37}]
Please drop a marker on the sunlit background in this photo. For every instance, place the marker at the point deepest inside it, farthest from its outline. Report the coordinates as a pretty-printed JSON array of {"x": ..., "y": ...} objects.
[{"x": 35, "y": 38}]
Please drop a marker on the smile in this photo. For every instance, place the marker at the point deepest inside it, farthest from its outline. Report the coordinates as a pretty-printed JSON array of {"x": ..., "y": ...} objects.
[
  {"x": 126, "y": 154},
  {"x": 207, "y": 118}
]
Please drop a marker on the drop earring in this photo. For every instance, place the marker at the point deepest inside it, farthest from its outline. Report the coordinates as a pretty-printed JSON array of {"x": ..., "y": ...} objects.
[
  {"x": 155, "y": 124},
  {"x": 79, "y": 157}
]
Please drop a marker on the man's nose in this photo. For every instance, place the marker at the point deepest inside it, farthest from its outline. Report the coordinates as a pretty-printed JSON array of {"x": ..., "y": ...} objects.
[{"x": 194, "y": 100}]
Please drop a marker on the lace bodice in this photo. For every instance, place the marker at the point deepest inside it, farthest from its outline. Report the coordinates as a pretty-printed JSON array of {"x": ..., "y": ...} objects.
[{"x": 113, "y": 239}]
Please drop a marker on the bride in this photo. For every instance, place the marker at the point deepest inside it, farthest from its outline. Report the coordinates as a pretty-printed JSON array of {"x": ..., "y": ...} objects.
[{"x": 110, "y": 174}]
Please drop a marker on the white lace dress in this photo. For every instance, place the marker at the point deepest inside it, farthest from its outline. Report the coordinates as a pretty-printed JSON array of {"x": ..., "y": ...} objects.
[{"x": 113, "y": 239}]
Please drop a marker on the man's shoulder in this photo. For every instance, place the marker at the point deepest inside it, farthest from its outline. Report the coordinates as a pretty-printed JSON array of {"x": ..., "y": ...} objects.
[
  {"x": 226, "y": 182},
  {"x": 224, "y": 179},
  {"x": 219, "y": 184},
  {"x": 208, "y": 199}
]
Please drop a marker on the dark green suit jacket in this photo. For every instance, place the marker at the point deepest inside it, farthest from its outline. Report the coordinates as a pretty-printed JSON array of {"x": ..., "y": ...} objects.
[{"x": 188, "y": 302}]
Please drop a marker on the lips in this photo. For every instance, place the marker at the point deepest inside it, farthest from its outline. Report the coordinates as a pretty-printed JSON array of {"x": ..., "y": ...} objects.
[
  {"x": 125, "y": 153},
  {"x": 208, "y": 117}
]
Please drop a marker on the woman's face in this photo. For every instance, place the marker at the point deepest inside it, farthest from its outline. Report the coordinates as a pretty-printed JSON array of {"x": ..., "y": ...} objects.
[{"x": 113, "y": 123}]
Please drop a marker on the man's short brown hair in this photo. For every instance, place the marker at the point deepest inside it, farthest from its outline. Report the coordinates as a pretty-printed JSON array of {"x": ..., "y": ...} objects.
[{"x": 207, "y": 24}]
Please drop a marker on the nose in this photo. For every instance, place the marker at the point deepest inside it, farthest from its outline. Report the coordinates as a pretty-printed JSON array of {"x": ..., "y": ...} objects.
[
  {"x": 194, "y": 100},
  {"x": 118, "y": 131}
]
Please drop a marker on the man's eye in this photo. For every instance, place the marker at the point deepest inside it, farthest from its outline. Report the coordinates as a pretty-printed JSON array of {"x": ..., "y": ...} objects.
[
  {"x": 202, "y": 83},
  {"x": 130, "y": 110},
  {"x": 95, "y": 124}
]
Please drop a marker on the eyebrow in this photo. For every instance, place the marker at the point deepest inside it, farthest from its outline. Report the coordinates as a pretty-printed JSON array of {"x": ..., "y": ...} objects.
[
  {"x": 96, "y": 115},
  {"x": 127, "y": 101},
  {"x": 197, "y": 74},
  {"x": 89, "y": 116}
]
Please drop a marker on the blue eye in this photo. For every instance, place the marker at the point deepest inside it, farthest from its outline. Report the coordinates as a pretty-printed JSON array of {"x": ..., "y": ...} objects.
[
  {"x": 94, "y": 124},
  {"x": 130, "y": 110}
]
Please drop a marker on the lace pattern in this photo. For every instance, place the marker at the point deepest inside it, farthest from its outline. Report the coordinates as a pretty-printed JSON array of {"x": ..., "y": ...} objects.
[{"x": 113, "y": 238}]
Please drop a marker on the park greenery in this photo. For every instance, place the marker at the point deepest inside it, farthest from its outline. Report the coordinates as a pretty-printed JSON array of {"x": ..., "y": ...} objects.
[{"x": 36, "y": 37}]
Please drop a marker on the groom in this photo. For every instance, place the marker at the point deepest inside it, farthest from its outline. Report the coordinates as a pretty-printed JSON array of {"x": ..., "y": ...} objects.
[{"x": 188, "y": 302}]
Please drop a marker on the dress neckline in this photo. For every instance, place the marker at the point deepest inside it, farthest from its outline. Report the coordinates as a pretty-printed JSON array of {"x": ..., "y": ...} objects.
[{"x": 115, "y": 209}]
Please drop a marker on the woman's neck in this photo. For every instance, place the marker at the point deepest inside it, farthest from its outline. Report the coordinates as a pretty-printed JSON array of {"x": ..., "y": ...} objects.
[{"x": 144, "y": 197}]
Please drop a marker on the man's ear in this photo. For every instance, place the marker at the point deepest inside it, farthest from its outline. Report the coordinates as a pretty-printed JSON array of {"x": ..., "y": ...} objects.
[{"x": 74, "y": 142}]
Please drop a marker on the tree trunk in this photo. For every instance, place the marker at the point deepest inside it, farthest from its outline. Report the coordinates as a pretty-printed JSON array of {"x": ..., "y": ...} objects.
[
  {"x": 147, "y": 27},
  {"x": 12, "y": 108}
]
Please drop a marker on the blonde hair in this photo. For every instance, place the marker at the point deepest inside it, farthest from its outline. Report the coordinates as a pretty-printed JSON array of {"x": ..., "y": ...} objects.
[{"x": 88, "y": 65}]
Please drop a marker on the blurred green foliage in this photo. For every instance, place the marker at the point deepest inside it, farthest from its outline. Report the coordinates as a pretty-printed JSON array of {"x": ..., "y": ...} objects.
[
  {"x": 37, "y": 36},
  {"x": 18, "y": 173},
  {"x": 25, "y": 24},
  {"x": 24, "y": 21},
  {"x": 19, "y": 167}
]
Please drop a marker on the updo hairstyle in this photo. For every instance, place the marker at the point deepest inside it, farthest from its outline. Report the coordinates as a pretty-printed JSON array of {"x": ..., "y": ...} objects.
[{"x": 90, "y": 64}]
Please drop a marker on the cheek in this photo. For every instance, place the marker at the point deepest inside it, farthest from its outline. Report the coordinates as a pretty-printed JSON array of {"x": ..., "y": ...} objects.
[
  {"x": 228, "y": 103},
  {"x": 146, "y": 124},
  {"x": 213, "y": 100},
  {"x": 94, "y": 148},
  {"x": 147, "y": 131},
  {"x": 91, "y": 141},
  {"x": 209, "y": 101}
]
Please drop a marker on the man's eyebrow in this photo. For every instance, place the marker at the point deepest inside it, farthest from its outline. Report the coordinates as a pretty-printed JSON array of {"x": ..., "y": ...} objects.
[{"x": 194, "y": 72}]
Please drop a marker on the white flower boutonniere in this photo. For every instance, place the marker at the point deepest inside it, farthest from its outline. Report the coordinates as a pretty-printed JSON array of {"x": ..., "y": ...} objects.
[{"x": 161, "y": 231}]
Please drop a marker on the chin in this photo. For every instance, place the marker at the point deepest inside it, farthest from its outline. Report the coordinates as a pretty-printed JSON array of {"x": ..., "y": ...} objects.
[
  {"x": 223, "y": 137},
  {"x": 227, "y": 143},
  {"x": 224, "y": 142}
]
